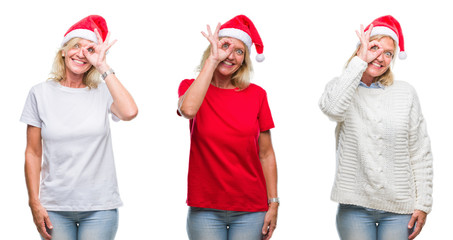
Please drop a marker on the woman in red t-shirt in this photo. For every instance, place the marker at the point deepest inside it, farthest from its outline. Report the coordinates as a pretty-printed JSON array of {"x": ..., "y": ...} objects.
[{"x": 232, "y": 180}]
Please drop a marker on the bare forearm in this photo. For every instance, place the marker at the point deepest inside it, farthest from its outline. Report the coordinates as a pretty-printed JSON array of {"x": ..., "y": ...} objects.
[
  {"x": 270, "y": 174},
  {"x": 32, "y": 177},
  {"x": 191, "y": 101},
  {"x": 123, "y": 104},
  {"x": 268, "y": 163},
  {"x": 33, "y": 158}
]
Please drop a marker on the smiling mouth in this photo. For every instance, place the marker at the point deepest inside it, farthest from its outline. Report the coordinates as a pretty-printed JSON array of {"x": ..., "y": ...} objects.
[
  {"x": 227, "y": 63},
  {"x": 78, "y": 61},
  {"x": 377, "y": 65}
]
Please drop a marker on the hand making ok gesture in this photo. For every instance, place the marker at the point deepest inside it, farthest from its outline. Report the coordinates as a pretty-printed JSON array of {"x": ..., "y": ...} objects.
[
  {"x": 368, "y": 51},
  {"x": 95, "y": 52},
  {"x": 220, "y": 49}
]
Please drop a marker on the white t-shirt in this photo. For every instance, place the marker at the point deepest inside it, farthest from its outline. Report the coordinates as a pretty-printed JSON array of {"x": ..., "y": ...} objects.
[{"x": 78, "y": 170}]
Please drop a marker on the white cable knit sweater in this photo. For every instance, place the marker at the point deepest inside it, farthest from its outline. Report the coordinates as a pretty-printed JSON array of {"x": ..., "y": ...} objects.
[{"x": 383, "y": 153}]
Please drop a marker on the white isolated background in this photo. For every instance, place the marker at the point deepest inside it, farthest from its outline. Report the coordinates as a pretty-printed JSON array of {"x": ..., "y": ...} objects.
[{"x": 159, "y": 44}]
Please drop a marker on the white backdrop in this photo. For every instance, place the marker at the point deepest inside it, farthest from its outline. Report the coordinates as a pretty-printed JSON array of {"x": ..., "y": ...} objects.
[{"x": 159, "y": 43}]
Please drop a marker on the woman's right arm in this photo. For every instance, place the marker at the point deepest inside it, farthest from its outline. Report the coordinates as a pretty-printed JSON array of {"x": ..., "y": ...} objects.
[
  {"x": 33, "y": 158},
  {"x": 337, "y": 96},
  {"x": 190, "y": 102}
]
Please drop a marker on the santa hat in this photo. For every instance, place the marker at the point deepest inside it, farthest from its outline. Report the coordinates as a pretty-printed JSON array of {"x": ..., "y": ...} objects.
[
  {"x": 85, "y": 29},
  {"x": 388, "y": 25},
  {"x": 242, "y": 28}
]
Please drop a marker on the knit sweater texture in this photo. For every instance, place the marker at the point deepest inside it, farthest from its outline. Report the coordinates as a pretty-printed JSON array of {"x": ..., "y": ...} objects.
[{"x": 383, "y": 151}]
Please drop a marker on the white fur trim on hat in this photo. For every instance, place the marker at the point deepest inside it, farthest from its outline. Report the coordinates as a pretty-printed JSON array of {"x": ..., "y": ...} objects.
[
  {"x": 80, "y": 33},
  {"x": 238, "y": 34},
  {"x": 385, "y": 31}
]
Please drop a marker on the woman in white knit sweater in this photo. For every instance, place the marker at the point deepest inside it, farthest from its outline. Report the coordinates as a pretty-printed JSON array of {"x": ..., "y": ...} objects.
[{"x": 384, "y": 171}]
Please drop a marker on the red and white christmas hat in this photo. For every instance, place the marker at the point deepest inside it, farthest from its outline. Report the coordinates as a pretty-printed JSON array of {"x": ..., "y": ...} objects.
[
  {"x": 388, "y": 25},
  {"x": 242, "y": 28},
  {"x": 85, "y": 29}
]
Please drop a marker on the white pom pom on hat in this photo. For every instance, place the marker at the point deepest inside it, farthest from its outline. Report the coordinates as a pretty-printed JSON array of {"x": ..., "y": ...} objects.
[
  {"x": 242, "y": 28},
  {"x": 388, "y": 25},
  {"x": 260, "y": 57}
]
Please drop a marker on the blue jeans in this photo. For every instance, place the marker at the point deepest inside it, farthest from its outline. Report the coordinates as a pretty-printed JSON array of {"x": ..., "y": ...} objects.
[
  {"x": 359, "y": 223},
  {"x": 83, "y": 225},
  {"x": 213, "y": 224}
]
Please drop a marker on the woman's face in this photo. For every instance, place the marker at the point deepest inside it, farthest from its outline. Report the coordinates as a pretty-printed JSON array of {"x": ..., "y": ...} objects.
[
  {"x": 234, "y": 61},
  {"x": 379, "y": 66},
  {"x": 75, "y": 60}
]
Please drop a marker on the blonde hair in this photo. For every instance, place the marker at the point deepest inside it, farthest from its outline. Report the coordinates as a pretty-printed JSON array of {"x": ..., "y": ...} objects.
[
  {"x": 385, "y": 79},
  {"x": 239, "y": 79},
  {"x": 58, "y": 73}
]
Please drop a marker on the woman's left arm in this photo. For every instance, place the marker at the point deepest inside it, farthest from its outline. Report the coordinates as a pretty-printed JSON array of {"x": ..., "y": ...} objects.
[
  {"x": 269, "y": 165},
  {"x": 123, "y": 106},
  {"x": 422, "y": 167}
]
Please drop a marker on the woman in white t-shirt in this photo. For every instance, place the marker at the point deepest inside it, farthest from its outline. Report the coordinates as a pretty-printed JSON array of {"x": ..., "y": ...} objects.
[{"x": 68, "y": 138}]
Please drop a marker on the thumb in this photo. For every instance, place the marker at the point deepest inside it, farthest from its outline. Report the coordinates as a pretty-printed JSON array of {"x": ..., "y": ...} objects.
[
  {"x": 231, "y": 48},
  {"x": 379, "y": 52},
  {"x": 412, "y": 222},
  {"x": 265, "y": 229},
  {"x": 48, "y": 222},
  {"x": 86, "y": 52}
]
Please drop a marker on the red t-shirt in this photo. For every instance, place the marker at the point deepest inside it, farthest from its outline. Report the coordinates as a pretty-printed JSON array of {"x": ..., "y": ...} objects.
[{"x": 224, "y": 167}]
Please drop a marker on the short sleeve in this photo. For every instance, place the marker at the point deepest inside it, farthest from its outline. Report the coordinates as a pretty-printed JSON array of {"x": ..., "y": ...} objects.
[
  {"x": 265, "y": 117},
  {"x": 30, "y": 113},
  {"x": 183, "y": 86},
  {"x": 110, "y": 102}
]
